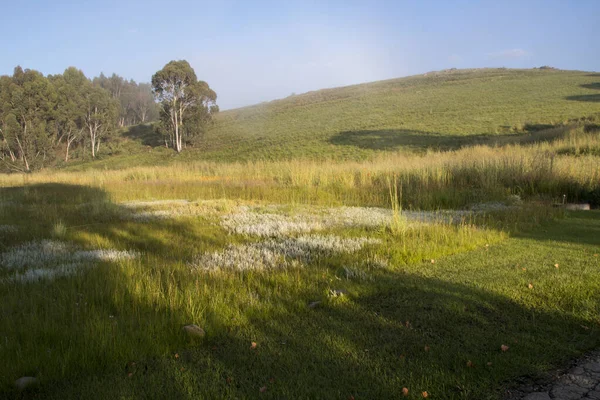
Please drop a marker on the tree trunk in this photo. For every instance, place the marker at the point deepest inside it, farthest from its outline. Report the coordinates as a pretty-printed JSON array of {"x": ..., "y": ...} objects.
[
  {"x": 67, "y": 152},
  {"x": 93, "y": 140},
  {"x": 23, "y": 156},
  {"x": 70, "y": 140}
]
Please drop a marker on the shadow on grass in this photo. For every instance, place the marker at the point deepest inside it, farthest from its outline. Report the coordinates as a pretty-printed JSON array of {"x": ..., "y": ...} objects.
[
  {"x": 396, "y": 139},
  {"x": 369, "y": 343},
  {"x": 91, "y": 322},
  {"x": 595, "y": 85},
  {"x": 594, "y": 98}
]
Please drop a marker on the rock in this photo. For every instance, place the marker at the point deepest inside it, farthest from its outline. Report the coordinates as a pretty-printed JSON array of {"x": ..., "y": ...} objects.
[
  {"x": 314, "y": 304},
  {"x": 337, "y": 292},
  {"x": 582, "y": 381},
  {"x": 595, "y": 395},
  {"x": 194, "y": 331},
  {"x": 568, "y": 392},
  {"x": 592, "y": 366},
  {"x": 25, "y": 382},
  {"x": 537, "y": 396}
]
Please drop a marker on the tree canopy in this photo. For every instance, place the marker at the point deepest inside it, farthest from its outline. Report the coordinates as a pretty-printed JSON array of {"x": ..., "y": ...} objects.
[
  {"x": 41, "y": 117},
  {"x": 186, "y": 104}
]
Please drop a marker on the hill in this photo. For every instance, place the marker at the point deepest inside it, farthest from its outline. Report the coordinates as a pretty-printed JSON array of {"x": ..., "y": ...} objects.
[{"x": 437, "y": 110}]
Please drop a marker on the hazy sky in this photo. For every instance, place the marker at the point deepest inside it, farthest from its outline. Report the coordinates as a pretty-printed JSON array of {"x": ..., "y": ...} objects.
[{"x": 252, "y": 51}]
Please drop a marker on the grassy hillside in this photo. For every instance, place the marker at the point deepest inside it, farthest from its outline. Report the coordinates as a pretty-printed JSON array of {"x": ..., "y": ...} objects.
[{"x": 439, "y": 110}]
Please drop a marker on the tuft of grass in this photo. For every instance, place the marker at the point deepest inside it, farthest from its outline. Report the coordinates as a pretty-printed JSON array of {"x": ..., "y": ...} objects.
[{"x": 59, "y": 230}]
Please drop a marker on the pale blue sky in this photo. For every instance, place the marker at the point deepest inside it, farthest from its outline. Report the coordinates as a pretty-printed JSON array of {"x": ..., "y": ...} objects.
[{"x": 253, "y": 51}]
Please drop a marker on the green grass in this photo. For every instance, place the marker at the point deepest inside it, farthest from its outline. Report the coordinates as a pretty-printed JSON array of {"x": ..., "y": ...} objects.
[
  {"x": 436, "y": 111},
  {"x": 419, "y": 304},
  {"x": 115, "y": 330}
]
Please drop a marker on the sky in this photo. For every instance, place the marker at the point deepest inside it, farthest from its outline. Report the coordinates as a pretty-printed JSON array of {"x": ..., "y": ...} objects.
[{"x": 255, "y": 51}]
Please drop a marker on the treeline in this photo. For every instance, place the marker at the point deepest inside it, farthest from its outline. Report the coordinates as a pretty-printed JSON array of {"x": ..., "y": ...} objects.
[
  {"x": 43, "y": 118},
  {"x": 136, "y": 102}
]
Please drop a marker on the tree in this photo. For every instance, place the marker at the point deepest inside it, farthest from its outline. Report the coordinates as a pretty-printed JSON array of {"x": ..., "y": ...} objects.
[
  {"x": 136, "y": 101},
  {"x": 70, "y": 110},
  {"x": 26, "y": 115},
  {"x": 100, "y": 115},
  {"x": 186, "y": 104},
  {"x": 144, "y": 106}
]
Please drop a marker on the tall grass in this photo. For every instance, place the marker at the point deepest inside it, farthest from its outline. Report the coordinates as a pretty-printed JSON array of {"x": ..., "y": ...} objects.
[{"x": 565, "y": 166}]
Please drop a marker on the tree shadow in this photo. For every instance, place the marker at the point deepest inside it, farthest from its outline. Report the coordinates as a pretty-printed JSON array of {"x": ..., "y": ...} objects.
[
  {"x": 400, "y": 330},
  {"x": 145, "y": 134},
  {"x": 587, "y": 97},
  {"x": 593, "y": 98},
  {"x": 396, "y": 139},
  {"x": 93, "y": 321},
  {"x": 594, "y": 85}
]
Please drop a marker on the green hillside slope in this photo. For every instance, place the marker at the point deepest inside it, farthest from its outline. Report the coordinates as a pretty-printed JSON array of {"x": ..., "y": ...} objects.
[
  {"x": 432, "y": 110},
  {"x": 438, "y": 110}
]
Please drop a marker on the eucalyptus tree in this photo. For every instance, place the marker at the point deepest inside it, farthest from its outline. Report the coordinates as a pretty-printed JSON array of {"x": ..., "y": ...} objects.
[
  {"x": 26, "y": 115},
  {"x": 100, "y": 114},
  {"x": 71, "y": 109},
  {"x": 186, "y": 104},
  {"x": 136, "y": 102},
  {"x": 144, "y": 106}
]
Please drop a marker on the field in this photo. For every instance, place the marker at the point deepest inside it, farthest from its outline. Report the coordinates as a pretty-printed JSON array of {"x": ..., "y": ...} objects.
[
  {"x": 439, "y": 263},
  {"x": 441, "y": 111},
  {"x": 309, "y": 279}
]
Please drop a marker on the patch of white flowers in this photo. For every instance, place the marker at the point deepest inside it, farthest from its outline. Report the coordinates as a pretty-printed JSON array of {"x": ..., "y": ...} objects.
[
  {"x": 249, "y": 221},
  {"x": 8, "y": 229},
  {"x": 272, "y": 253},
  {"x": 241, "y": 257},
  {"x": 308, "y": 247},
  {"x": 49, "y": 259}
]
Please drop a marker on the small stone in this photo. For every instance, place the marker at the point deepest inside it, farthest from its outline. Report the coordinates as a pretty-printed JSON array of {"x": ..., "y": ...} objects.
[
  {"x": 194, "y": 331},
  {"x": 337, "y": 292},
  {"x": 25, "y": 382},
  {"x": 537, "y": 396},
  {"x": 314, "y": 304}
]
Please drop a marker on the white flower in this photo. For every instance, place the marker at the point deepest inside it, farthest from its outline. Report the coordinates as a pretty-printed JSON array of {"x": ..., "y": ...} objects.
[
  {"x": 272, "y": 253},
  {"x": 50, "y": 259}
]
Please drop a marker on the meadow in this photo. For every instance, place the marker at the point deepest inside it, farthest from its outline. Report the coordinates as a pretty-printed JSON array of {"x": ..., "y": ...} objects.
[
  {"x": 437, "y": 111},
  {"x": 400, "y": 239},
  {"x": 449, "y": 273}
]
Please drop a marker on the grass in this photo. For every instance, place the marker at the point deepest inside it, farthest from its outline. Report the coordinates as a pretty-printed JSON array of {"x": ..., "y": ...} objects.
[
  {"x": 406, "y": 265},
  {"x": 545, "y": 166},
  {"x": 437, "y": 111},
  {"x": 113, "y": 330}
]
